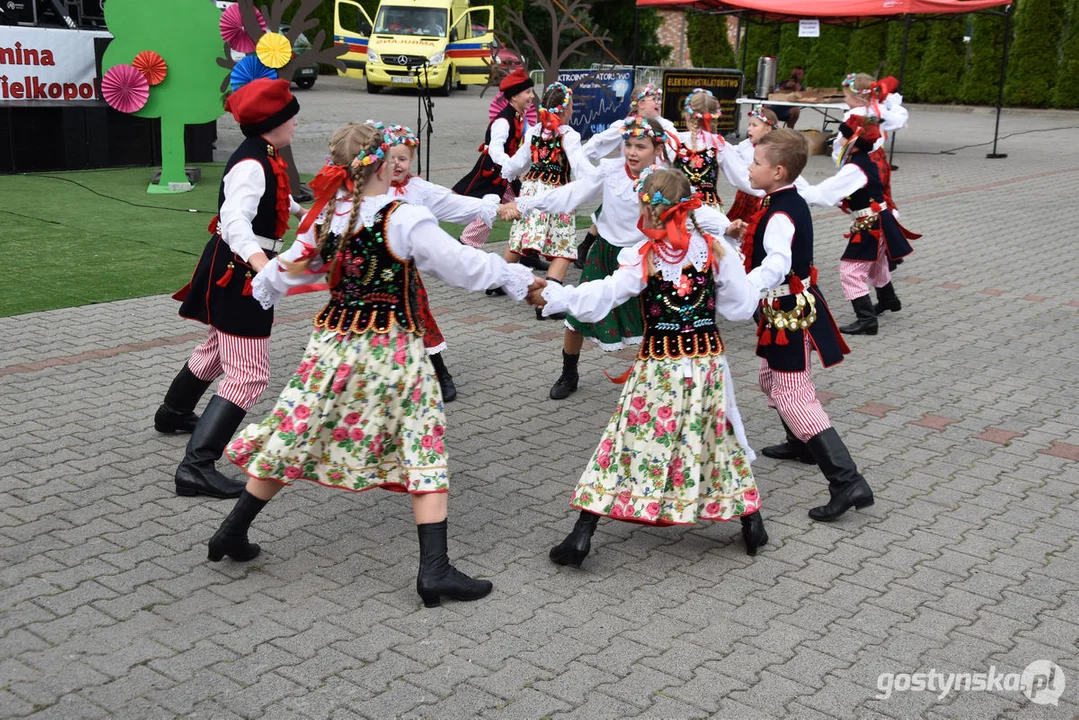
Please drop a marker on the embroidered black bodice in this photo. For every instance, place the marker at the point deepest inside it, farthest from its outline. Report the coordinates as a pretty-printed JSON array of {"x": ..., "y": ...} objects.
[
  {"x": 701, "y": 167},
  {"x": 377, "y": 289},
  {"x": 549, "y": 162},
  {"x": 680, "y": 317}
]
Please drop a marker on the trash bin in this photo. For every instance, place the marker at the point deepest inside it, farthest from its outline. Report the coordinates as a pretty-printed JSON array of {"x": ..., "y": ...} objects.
[{"x": 766, "y": 75}]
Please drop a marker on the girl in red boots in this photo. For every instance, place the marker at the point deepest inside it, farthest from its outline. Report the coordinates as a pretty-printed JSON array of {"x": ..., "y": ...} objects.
[{"x": 364, "y": 409}]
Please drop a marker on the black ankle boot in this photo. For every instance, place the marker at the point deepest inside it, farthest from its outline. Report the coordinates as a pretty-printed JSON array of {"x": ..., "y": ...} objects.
[
  {"x": 582, "y": 250},
  {"x": 445, "y": 380},
  {"x": 866, "y": 324},
  {"x": 495, "y": 292},
  {"x": 176, "y": 413},
  {"x": 530, "y": 260},
  {"x": 846, "y": 486},
  {"x": 574, "y": 549},
  {"x": 753, "y": 532},
  {"x": 887, "y": 300},
  {"x": 566, "y": 384},
  {"x": 231, "y": 538},
  {"x": 197, "y": 474},
  {"x": 791, "y": 449},
  {"x": 436, "y": 576}
]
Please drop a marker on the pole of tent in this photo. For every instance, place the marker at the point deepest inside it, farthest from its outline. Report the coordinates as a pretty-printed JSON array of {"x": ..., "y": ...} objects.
[
  {"x": 902, "y": 69},
  {"x": 744, "y": 35},
  {"x": 1000, "y": 90},
  {"x": 636, "y": 28}
]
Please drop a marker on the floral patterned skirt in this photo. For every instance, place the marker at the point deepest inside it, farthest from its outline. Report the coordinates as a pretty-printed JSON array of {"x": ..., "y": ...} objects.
[
  {"x": 623, "y": 326},
  {"x": 669, "y": 455},
  {"x": 553, "y": 235},
  {"x": 362, "y": 411}
]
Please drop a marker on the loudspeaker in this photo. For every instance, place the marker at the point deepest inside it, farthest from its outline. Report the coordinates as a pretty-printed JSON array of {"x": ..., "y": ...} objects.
[
  {"x": 17, "y": 12},
  {"x": 92, "y": 9}
]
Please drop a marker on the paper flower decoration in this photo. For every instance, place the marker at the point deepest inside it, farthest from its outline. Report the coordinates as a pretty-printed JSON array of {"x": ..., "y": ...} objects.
[
  {"x": 248, "y": 69},
  {"x": 151, "y": 65},
  {"x": 232, "y": 29},
  {"x": 125, "y": 88},
  {"x": 274, "y": 50}
]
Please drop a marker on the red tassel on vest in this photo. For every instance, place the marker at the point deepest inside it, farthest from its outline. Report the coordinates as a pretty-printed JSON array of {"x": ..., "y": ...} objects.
[
  {"x": 781, "y": 337},
  {"x": 226, "y": 278},
  {"x": 796, "y": 287},
  {"x": 247, "y": 285},
  {"x": 766, "y": 336}
]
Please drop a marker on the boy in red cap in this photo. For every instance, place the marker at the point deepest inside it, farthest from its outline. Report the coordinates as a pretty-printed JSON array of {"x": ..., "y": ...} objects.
[
  {"x": 876, "y": 238},
  {"x": 505, "y": 134},
  {"x": 254, "y": 206}
]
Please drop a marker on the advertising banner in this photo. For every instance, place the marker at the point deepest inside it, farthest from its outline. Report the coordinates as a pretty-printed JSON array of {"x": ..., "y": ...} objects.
[
  {"x": 601, "y": 98},
  {"x": 47, "y": 64},
  {"x": 724, "y": 84}
]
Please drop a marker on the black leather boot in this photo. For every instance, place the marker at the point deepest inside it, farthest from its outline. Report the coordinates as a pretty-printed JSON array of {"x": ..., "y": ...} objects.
[
  {"x": 197, "y": 474},
  {"x": 846, "y": 486},
  {"x": 494, "y": 292},
  {"x": 531, "y": 260},
  {"x": 582, "y": 250},
  {"x": 436, "y": 576},
  {"x": 887, "y": 300},
  {"x": 176, "y": 414},
  {"x": 574, "y": 549},
  {"x": 753, "y": 532},
  {"x": 566, "y": 384},
  {"x": 231, "y": 538},
  {"x": 866, "y": 324},
  {"x": 445, "y": 380},
  {"x": 791, "y": 449}
]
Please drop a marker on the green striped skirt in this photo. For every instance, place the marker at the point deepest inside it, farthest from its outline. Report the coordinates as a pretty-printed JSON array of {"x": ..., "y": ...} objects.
[{"x": 625, "y": 324}]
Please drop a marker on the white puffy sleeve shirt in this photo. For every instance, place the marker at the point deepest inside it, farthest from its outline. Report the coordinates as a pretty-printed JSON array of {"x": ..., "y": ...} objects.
[
  {"x": 412, "y": 233},
  {"x": 244, "y": 186},
  {"x": 447, "y": 206},
  {"x": 832, "y": 191}
]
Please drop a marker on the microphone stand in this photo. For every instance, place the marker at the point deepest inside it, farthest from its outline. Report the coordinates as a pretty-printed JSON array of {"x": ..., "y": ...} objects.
[{"x": 424, "y": 105}]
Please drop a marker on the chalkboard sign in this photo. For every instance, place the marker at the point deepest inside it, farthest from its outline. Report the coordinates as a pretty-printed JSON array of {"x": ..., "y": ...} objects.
[
  {"x": 724, "y": 84},
  {"x": 600, "y": 98}
]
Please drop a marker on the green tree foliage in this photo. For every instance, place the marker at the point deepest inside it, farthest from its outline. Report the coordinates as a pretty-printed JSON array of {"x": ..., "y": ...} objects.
[
  {"x": 1032, "y": 60},
  {"x": 1066, "y": 92},
  {"x": 982, "y": 78},
  {"x": 944, "y": 59},
  {"x": 827, "y": 62},
  {"x": 793, "y": 50},
  {"x": 709, "y": 45},
  {"x": 761, "y": 39},
  {"x": 866, "y": 52},
  {"x": 185, "y": 34},
  {"x": 919, "y": 32},
  {"x": 616, "y": 17}
]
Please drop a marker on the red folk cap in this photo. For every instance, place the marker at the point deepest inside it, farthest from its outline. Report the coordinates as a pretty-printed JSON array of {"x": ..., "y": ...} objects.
[
  {"x": 261, "y": 105},
  {"x": 517, "y": 81}
]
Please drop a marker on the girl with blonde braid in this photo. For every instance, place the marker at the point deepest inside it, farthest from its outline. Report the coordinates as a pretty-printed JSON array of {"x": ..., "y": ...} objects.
[
  {"x": 550, "y": 153},
  {"x": 670, "y": 454},
  {"x": 363, "y": 409}
]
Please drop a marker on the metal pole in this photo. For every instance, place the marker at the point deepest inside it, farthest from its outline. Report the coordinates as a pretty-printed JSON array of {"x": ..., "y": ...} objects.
[
  {"x": 1000, "y": 90},
  {"x": 636, "y": 30},
  {"x": 745, "y": 43},
  {"x": 902, "y": 69}
]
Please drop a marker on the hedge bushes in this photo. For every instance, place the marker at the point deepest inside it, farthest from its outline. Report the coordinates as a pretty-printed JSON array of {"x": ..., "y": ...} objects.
[
  {"x": 941, "y": 67},
  {"x": 708, "y": 43}
]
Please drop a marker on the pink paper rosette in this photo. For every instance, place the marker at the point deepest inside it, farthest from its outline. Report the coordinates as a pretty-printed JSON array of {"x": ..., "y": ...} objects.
[
  {"x": 232, "y": 29},
  {"x": 151, "y": 65},
  {"x": 125, "y": 88}
]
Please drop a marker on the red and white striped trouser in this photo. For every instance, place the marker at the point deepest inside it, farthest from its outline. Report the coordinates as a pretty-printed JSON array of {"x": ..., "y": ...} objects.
[
  {"x": 795, "y": 397},
  {"x": 477, "y": 232},
  {"x": 854, "y": 274},
  {"x": 245, "y": 361}
]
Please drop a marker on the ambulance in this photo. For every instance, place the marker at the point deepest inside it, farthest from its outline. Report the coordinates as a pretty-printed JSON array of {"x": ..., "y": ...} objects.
[{"x": 440, "y": 44}]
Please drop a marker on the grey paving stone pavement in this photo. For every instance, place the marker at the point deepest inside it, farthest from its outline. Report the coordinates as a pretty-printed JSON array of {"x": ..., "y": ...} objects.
[{"x": 962, "y": 414}]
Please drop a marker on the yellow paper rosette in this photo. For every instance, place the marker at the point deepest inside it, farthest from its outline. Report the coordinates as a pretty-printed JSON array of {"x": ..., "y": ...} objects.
[{"x": 274, "y": 50}]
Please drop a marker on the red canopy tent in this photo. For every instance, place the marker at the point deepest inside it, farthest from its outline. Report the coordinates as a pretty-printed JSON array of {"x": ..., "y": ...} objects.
[{"x": 843, "y": 11}]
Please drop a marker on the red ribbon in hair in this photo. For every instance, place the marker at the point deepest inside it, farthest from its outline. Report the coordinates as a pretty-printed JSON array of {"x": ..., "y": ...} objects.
[
  {"x": 671, "y": 242},
  {"x": 329, "y": 180},
  {"x": 549, "y": 121}
]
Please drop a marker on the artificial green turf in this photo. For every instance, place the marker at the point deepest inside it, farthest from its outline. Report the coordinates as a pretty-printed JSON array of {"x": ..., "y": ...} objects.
[{"x": 77, "y": 238}]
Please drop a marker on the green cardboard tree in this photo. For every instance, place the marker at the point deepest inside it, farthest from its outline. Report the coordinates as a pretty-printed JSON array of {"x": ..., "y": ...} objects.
[{"x": 185, "y": 34}]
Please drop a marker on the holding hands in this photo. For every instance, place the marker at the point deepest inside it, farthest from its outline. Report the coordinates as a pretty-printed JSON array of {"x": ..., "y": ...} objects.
[
  {"x": 535, "y": 293},
  {"x": 736, "y": 229},
  {"x": 509, "y": 211}
]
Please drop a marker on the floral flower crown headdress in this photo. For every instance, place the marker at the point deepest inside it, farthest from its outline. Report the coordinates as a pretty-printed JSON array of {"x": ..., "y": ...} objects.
[
  {"x": 688, "y": 109},
  {"x": 757, "y": 113},
  {"x": 566, "y": 100},
  {"x": 636, "y": 127},
  {"x": 656, "y": 198},
  {"x": 849, "y": 84},
  {"x": 368, "y": 156},
  {"x": 402, "y": 135},
  {"x": 649, "y": 90}
]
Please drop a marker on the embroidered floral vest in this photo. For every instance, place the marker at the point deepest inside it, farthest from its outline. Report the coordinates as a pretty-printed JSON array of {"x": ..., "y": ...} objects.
[
  {"x": 550, "y": 165},
  {"x": 701, "y": 167},
  {"x": 377, "y": 290},
  {"x": 680, "y": 317}
]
